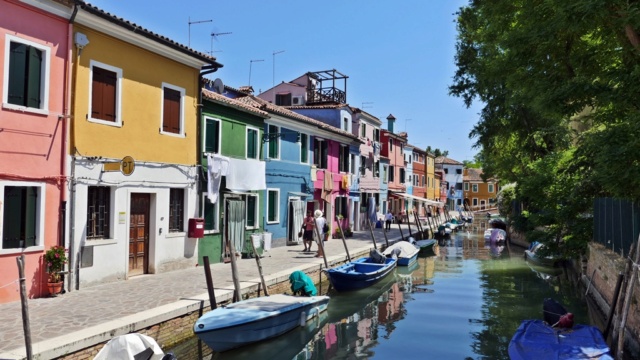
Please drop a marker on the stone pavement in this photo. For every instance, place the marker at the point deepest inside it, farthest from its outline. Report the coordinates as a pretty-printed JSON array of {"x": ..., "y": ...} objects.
[{"x": 91, "y": 315}]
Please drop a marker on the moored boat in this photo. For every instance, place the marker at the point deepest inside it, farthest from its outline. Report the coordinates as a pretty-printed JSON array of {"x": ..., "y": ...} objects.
[
  {"x": 533, "y": 255},
  {"x": 406, "y": 252},
  {"x": 361, "y": 273},
  {"x": 427, "y": 247},
  {"x": 256, "y": 319}
]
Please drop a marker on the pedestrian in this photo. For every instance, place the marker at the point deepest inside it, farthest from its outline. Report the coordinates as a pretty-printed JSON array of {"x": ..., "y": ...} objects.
[
  {"x": 321, "y": 223},
  {"x": 387, "y": 220},
  {"x": 307, "y": 235}
]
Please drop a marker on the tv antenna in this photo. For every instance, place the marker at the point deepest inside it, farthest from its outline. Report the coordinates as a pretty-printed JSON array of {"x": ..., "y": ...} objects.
[
  {"x": 195, "y": 22},
  {"x": 274, "y": 66},
  {"x": 213, "y": 35},
  {"x": 250, "y": 65}
]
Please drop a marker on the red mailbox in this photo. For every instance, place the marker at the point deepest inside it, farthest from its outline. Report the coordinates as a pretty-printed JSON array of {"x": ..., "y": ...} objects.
[{"x": 196, "y": 228}]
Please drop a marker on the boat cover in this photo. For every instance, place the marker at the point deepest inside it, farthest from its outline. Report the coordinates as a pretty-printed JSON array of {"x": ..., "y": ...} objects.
[
  {"x": 402, "y": 249},
  {"x": 535, "y": 340},
  {"x": 126, "y": 347},
  {"x": 302, "y": 284}
]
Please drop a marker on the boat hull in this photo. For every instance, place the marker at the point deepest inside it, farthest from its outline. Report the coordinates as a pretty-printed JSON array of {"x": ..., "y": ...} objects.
[
  {"x": 426, "y": 247},
  {"x": 407, "y": 253},
  {"x": 534, "y": 339},
  {"x": 256, "y": 319},
  {"x": 359, "y": 274}
]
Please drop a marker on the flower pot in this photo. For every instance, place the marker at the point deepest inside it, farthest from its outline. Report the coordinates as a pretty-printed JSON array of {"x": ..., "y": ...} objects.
[{"x": 55, "y": 288}]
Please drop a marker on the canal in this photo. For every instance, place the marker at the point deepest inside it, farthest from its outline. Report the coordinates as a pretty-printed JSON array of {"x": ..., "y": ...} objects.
[{"x": 464, "y": 302}]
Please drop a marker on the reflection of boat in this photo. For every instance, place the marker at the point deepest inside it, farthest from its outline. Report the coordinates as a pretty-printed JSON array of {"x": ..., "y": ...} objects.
[
  {"x": 405, "y": 251},
  {"x": 556, "y": 337},
  {"x": 346, "y": 304},
  {"x": 544, "y": 272},
  {"x": 256, "y": 319},
  {"x": 532, "y": 254},
  {"x": 498, "y": 223},
  {"x": 286, "y": 346},
  {"x": 496, "y": 236},
  {"x": 360, "y": 273},
  {"x": 427, "y": 247}
]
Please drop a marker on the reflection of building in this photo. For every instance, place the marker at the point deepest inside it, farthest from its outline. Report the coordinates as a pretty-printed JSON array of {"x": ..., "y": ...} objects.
[{"x": 391, "y": 310}]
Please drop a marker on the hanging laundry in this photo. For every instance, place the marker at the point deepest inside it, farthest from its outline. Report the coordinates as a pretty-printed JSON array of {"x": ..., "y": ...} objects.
[
  {"x": 246, "y": 175},
  {"x": 217, "y": 167}
]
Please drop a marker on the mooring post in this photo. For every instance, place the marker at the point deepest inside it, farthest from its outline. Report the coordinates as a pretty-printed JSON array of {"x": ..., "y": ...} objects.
[
  {"x": 207, "y": 275},
  {"x": 25, "y": 307}
]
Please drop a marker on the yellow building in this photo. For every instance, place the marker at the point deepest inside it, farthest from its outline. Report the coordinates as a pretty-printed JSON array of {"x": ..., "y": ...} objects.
[
  {"x": 479, "y": 194},
  {"x": 432, "y": 188},
  {"x": 133, "y": 149}
]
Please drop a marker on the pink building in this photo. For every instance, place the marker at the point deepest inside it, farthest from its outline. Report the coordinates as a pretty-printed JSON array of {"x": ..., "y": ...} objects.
[
  {"x": 393, "y": 148},
  {"x": 34, "y": 56}
]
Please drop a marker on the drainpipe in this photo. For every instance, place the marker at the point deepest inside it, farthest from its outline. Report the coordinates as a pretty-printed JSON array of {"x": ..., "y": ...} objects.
[
  {"x": 206, "y": 70},
  {"x": 70, "y": 144}
]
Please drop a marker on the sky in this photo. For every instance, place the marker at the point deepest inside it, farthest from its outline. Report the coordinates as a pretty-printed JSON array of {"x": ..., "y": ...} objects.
[{"x": 398, "y": 54}]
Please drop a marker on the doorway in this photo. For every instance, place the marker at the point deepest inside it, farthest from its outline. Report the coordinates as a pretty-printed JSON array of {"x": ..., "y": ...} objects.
[
  {"x": 139, "y": 234},
  {"x": 295, "y": 219}
]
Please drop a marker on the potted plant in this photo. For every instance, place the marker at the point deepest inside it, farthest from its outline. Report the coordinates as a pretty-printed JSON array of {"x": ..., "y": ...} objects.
[
  {"x": 348, "y": 232},
  {"x": 336, "y": 234},
  {"x": 54, "y": 260}
]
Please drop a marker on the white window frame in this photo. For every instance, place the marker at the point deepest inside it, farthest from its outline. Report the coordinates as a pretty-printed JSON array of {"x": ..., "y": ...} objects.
[
  {"x": 353, "y": 169},
  {"x": 182, "y": 92},
  {"x": 277, "y": 139},
  {"x": 385, "y": 175},
  {"x": 216, "y": 205},
  {"x": 40, "y": 215},
  {"x": 118, "y": 71},
  {"x": 257, "y": 212},
  {"x": 490, "y": 188},
  {"x": 474, "y": 188},
  {"x": 44, "y": 85},
  {"x": 204, "y": 133},
  {"x": 466, "y": 186},
  {"x": 246, "y": 142},
  {"x": 277, "y": 220},
  {"x": 309, "y": 155}
]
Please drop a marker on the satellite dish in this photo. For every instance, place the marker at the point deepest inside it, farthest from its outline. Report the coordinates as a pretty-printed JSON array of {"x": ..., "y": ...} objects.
[{"x": 218, "y": 86}]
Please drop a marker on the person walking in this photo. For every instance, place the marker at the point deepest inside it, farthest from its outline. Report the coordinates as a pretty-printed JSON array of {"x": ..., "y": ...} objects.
[
  {"x": 387, "y": 220},
  {"x": 307, "y": 235},
  {"x": 320, "y": 223}
]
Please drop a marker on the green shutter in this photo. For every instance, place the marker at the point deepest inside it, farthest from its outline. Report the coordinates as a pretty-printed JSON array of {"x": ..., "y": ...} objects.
[
  {"x": 17, "y": 73},
  {"x": 251, "y": 210},
  {"x": 20, "y": 209},
  {"x": 212, "y": 135},
  {"x": 273, "y": 205},
  {"x": 30, "y": 209},
  {"x": 35, "y": 78},
  {"x": 209, "y": 213},
  {"x": 304, "y": 148},
  {"x": 251, "y": 143},
  {"x": 273, "y": 142}
]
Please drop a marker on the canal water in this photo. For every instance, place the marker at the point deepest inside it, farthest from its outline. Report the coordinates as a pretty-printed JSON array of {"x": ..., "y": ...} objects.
[{"x": 464, "y": 302}]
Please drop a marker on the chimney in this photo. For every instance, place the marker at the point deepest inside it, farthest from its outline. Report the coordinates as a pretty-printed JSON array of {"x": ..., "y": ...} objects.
[{"x": 390, "y": 121}]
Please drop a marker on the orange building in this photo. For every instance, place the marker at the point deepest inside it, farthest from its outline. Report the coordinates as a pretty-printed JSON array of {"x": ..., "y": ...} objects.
[{"x": 478, "y": 193}]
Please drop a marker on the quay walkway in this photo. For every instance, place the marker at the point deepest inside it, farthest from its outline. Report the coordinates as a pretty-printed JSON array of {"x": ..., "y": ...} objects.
[{"x": 83, "y": 318}]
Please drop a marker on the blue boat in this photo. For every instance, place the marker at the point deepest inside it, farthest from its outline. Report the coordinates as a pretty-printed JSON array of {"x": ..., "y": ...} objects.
[
  {"x": 536, "y": 340},
  {"x": 360, "y": 273}
]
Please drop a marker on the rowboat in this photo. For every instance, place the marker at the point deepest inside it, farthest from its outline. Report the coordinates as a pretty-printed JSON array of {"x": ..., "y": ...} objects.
[
  {"x": 427, "y": 246},
  {"x": 532, "y": 254},
  {"x": 256, "y": 319},
  {"x": 404, "y": 251},
  {"x": 361, "y": 273}
]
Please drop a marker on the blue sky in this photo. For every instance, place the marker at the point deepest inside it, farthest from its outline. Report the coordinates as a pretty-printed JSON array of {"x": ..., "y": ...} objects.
[{"x": 399, "y": 55}]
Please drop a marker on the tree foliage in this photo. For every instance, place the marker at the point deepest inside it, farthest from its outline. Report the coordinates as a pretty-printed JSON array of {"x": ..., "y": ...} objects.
[{"x": 559, "y": 83}]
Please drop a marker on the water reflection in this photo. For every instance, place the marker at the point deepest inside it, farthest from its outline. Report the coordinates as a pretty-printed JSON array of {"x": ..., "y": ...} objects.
[{"x": 465, "y": 301}]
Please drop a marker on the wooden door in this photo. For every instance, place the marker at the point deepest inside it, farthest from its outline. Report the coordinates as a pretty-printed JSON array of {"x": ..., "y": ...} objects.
[{"x": 139, "y": 234}]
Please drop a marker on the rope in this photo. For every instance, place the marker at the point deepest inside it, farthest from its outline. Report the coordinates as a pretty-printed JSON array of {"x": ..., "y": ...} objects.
[{"x": 9, "y": 283}]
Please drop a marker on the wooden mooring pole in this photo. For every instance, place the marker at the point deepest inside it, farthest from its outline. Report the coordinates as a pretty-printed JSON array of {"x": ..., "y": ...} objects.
[
  {"x": 207, "y": 275},
  {"x": 25, "y": 307}
]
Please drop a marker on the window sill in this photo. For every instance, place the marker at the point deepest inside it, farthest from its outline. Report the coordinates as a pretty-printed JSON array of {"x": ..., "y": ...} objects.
[
  {"x": 175, "y": 234},
  {"x": 25, "y": 109},
  {"x": 273, "y": 222},
  {"x": 105, "y": 122},
  {"x": 178, "y": 135},
  {"x": 17, "y": 251},
  {"x": 212, "y": 232},
  {"x": 100, "y": 242},
  {"x": 251, "y": 228}
]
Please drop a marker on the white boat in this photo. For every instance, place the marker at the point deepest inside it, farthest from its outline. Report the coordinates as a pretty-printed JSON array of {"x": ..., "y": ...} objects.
[
  {"x": 256, "y": 319},
  {"x": 132, "y": 346},
  {"x": 405, "y": 251}
]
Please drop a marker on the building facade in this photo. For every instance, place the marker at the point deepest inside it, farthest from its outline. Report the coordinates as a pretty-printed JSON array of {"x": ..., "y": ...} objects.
[
  {"x": 479, "y": 195},
  {"x": 454, "y": 179}
]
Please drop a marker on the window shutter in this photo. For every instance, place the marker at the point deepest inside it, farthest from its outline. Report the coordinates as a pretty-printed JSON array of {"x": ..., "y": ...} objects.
[
  {"x": 325, "y": 154},
  {"x": 171, "y": 120},
  {"x": 273, "y": 203},
  {"x": 213, "y": 134},
  {"x": 103, "y": 96},
  {"x": 208, "y": 215},
  {"x": 304, "y": 151},
  {"x": 34, "y": 78},
  {"x": 251, "y": 210},
  {"x": 273, "y": 142},
  {"x": 17, "y": 73},
  {"x": 251, "y": 144}
]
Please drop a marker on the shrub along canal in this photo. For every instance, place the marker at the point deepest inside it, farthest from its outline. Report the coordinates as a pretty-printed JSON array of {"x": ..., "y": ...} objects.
[{"x": 465, "y": 302}]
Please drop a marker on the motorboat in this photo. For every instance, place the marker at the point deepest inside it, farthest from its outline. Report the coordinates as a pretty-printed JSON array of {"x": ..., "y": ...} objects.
[
  {"x": 361, "y": 273},
  {"x": 406, "y": 252}
]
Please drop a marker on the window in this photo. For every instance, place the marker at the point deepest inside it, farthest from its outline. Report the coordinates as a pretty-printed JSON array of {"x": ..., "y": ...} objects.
[
  {"x": 402, "y": 176},
  {"x": 376, "y": 169},
  {"x": 274, "y": 142},
  {"x": 343, "y": 164},
  {"x": 392, "y": 175},
  {"x": 304, "y": 148},
  {"x": 104, "y": 103},
  {"x": 176, "y": 210},
  {"x": 466, "y": 186},
  {"x": 446, "y": 171},
  {"x": 363, "y": 130},
  {"x": 390, "y": 144},
  {"x": 363, "y": 165},
  {"x": 376, "y": 135},
  {"x": 21, "y": 208},
  {"x": 423, "y": 182},
  {"x": 283, "y": 99},
  {"x": 385, "y": 172},
  {"x": 352, "y": 163},
  {"x": 490, "y": 188},
  {"x": 458, "y": 171},
  {"x": 212, "y": 135},
  {"x": 252, "y": 211},
  {"x": 475, "y": 202},
  {"x": 26, "y": 75},
  {"x": 98, "y": 212},
  {"x": 211, "y": 214},
  {"x": 345, "y": 124},
  {"x": 320, "y": 153},
  {"x": 273, "y": 206},
  {"x": 252, "y": 143},
  {"x": 172, "y": 109},
  {"x": 341, "y": 205},
  {"x": 474, "y": 187}
]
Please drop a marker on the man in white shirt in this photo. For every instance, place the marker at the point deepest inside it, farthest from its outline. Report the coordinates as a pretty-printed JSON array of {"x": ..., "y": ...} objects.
[
  {"x": 320, "y": 223},
  {"x": 387, "y": 220}
]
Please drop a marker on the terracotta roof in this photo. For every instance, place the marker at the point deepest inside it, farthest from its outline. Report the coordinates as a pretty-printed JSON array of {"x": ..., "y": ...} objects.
[
  {"x": 221, "y": 99},
  {"x": 446, "y": 160},
  {"x": 397, "y": 136},
  {"x": 417, "y": 149},
  {"x": 473, "y": 174},
  {"x": 134, "y": 28},
  {"x": 275, "y": 109},
  {"x": 316, "y": 106}
]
